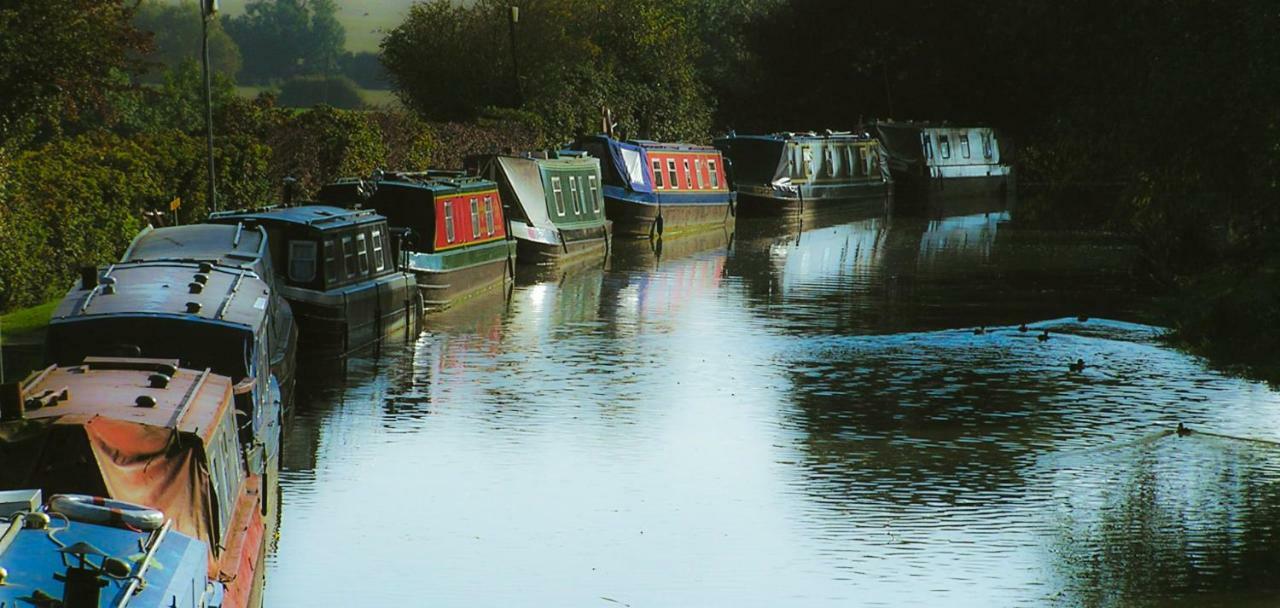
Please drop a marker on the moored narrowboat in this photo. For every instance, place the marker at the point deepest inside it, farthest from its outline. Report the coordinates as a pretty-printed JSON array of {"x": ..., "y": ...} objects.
[
  {"x": 203, "y": 315},
  {"x": 652, "y": 187},
  {"x": 339, "y": 271},
  {"x": 553, "y": 204},
  {"x": 785, "y": 172},
  {"x": 136, "y": 449},
  {"x": 455, "y": 237},
  {"x": 930, "y": 161},
  {"x": 237, "y": 247}
]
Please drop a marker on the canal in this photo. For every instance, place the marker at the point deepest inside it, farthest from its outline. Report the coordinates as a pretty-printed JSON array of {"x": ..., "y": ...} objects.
[{"x": 796, "y": 414}]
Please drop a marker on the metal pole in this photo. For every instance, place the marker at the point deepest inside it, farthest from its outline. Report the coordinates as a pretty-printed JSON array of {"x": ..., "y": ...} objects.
[
  {"x": 207, "y": 10},
  {"x": 515, "y": 61}
]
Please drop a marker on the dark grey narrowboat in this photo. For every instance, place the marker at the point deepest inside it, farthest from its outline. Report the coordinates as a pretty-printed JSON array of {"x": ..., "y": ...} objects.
[
  {"x": 785, "y": 172},
  {"x": 235, "y": 247},
  {"x": 339, "y": 271},
  {"x": 943, "y": 161},
  {"x": 553, "y": 203}
]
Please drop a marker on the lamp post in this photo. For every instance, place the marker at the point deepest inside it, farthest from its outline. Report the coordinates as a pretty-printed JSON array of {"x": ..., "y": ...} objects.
[
  {"x": 208, "y": 9},
  {"x": 515, "y": 61}
]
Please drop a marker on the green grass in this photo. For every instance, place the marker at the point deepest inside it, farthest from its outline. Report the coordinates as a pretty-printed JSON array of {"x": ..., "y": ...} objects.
[
  {"x": 26, "y": 321},
  {"x": 372, "y": 97}
]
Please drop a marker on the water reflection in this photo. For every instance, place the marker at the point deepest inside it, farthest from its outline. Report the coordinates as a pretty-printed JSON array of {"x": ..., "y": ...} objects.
[{"x": 792, "y": 414}]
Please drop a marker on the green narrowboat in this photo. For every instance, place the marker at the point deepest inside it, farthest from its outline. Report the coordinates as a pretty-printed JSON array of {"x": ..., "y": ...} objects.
[
  {"x": 554, "y": 204},
  {"x": 452, "y": 228}
]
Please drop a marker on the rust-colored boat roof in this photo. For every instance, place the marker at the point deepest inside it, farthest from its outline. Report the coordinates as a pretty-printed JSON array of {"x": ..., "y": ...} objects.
[
  {"x": 228, "y": 245},
  {"x": 151, "y": 392},
  {"x": 169, "y": 289}
]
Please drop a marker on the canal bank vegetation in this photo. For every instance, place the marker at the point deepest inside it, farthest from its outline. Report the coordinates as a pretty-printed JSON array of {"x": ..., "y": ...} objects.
[{"x": 1159, "y": 120}]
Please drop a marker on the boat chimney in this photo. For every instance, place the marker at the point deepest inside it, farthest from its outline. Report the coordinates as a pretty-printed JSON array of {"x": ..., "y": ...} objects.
[
  {"x": 11, "y": 402},
  {"x": 289, "y": 184},
  {"x": 88, "y": 277}
]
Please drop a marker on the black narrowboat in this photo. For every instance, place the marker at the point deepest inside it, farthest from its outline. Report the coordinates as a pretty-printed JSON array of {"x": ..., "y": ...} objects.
[{"x": 338, "y": 269}]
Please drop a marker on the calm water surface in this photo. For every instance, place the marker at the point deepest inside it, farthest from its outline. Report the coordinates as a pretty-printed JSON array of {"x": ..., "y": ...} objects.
[{"x": 796, "y": 415}]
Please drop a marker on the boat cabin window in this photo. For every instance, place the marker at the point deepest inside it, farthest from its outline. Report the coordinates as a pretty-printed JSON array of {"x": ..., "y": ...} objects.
[
  {"x": 302, "y": 261},
  {"x": 448, "y": 221},
  {"x": 829, "y": 157},
  {"x": 869, "y": 160},
  {"x": 331, "y": 260},
  {"x": 851, "y": 159},
  {"x": 488, "y": 215},
  {"x": 575, "y": 195},
  {"x": 658, "y": 182},
  {"x": 964, "y": 145},
  {"x": 349, "y": 253},
  {"x": 711, "y": 171},
  {"x": 944, "y": 146},
  {"x": 672, "y": 181},
  {"x": 697, "y": 170},
  {"x": 379, "y": 254},
  {"x": 986, "y": 145},
  {"x": 226, "y": 475},
  {"x": 475, "y": 218},
  {"x": 559, "y": 195},
  {"x": 927, "y": 143},
  {"x": 688, "y": 177},
  {"x": 595, "y": 192},
  {"x": 362, "y": 253}
]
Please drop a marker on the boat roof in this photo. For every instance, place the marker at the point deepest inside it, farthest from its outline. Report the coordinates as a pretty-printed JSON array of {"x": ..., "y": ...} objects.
[
  {"x": 225, "y": 244},
  {"x": 789, "y": 136},
  {"x": 436, "y": 181},
  {"x": 659, "y": 145},
  {"x": 235, "y": 296},
  {"x": 129, "y": 390},
  {"x": 321, "y": 217}
]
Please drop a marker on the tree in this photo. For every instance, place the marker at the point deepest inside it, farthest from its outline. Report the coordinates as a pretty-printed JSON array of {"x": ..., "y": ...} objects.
[
  {"x": 59, "y": 59},
  {"x": 176, "y": 31},
  {"x": 576, "y": 56},
  {"x": 307, "y": 91},
  {"x": 288, "y": 38}
]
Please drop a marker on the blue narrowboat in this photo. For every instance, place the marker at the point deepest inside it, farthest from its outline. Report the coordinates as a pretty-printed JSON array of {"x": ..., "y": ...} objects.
[
  {"x": 153, "y": 496},
  {"x": 652, "y": 187},
  {"x": 236, "y": 247},
  {"x": 339, "y": 270}
]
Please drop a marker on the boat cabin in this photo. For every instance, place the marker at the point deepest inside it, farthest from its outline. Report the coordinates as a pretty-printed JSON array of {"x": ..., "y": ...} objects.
[
  {"x": 654, "y": 186},
  {"x": 204, "y": 316},
  {"x": 339, "y": 271},
  {"x": 774, "y": 171},
  {"x": 553, "y": 201},
  {"x": 235, "y": 246},
  {"x": 937, "y": 157},
  {"x": 88, "y": 429}
]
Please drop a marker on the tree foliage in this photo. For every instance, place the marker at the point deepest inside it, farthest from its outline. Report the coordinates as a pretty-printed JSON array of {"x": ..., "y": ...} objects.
[
  {"x": 176, "y": 29},
  {"x": 575, "y": 56},
  {"x": 60, "y": 59},
  {"x": 287, "y": 38}
]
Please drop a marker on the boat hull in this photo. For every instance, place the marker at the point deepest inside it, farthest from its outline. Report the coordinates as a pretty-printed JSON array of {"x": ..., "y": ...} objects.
[
  {"x": 763, "y": 201},
  {"x": 445, "y": 278},
  {"x": 912, "y": 186},
  {"x": 349, "y": 319},
  {"x": 635, "y": 218}
]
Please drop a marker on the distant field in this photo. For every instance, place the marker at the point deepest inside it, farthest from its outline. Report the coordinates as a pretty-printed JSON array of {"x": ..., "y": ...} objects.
[
  {"x": 365, "y": 20},
  {"x": 373, "y": 97}
]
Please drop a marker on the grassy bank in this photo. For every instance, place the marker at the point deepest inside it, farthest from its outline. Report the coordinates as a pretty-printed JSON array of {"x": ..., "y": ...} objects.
[{"x": 25, "y": 324}]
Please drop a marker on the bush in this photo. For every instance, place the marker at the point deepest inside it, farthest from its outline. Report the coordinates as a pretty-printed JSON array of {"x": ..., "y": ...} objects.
[{"x": 308, "y": 91}]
